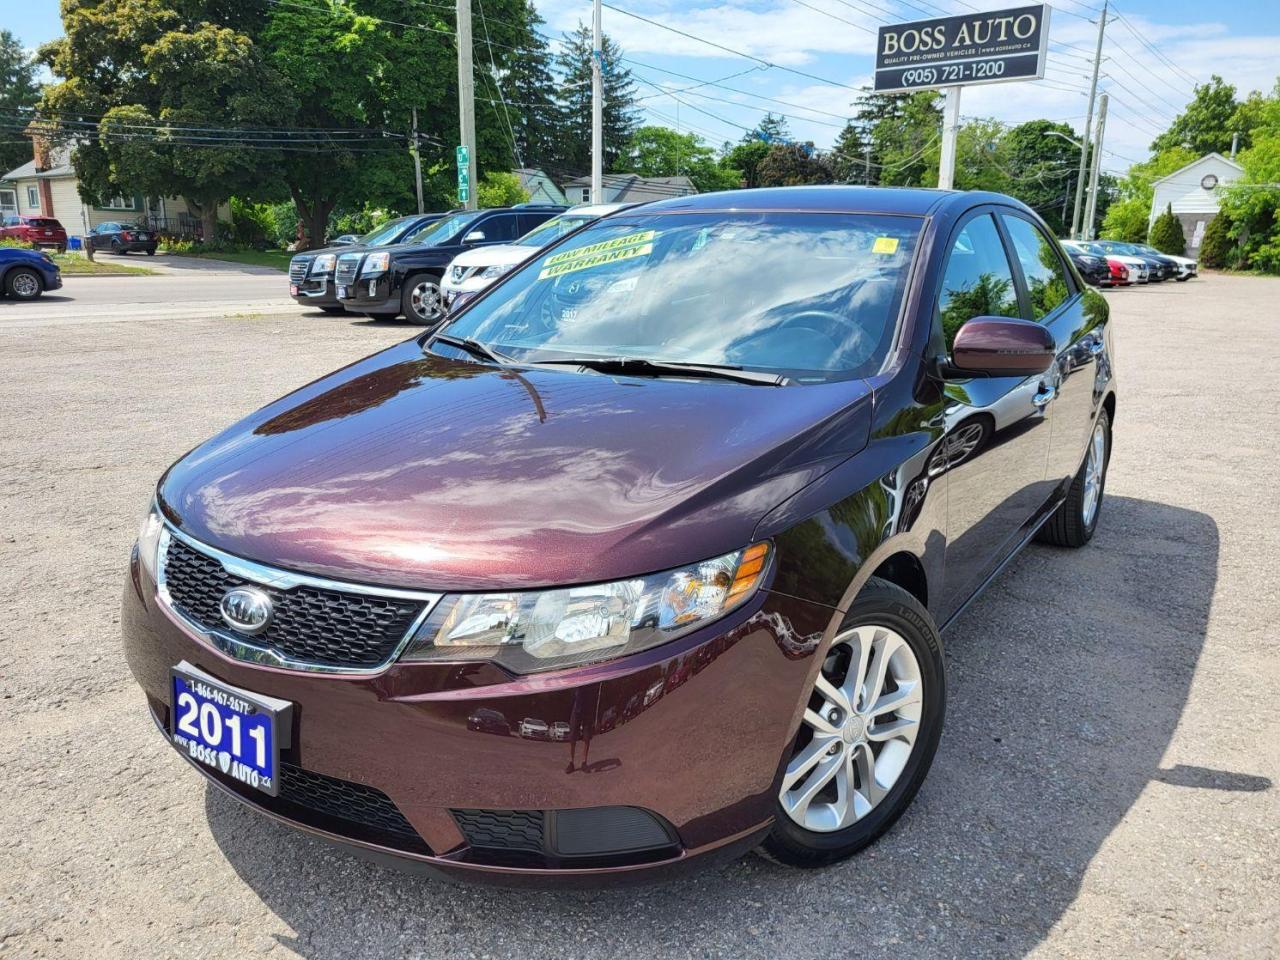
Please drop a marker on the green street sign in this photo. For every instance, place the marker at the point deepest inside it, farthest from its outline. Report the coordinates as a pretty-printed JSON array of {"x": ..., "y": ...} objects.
[
  {"x": 464, "y": 193},
  {"x": 463, "y": 177},
  {"x": 464, "y": 157}
]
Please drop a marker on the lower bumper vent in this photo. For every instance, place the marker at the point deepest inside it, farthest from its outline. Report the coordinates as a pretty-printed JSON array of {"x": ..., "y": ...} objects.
[{"x": 592, "y": 836}]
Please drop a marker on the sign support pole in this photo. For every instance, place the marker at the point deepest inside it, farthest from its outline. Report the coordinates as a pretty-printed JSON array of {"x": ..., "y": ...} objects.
[
  {"x": 597, "y": 108},
  {"x": 950, "y": 123},
  {"x": 417, "y": 160},
  {"x": 466, "y": 105}
]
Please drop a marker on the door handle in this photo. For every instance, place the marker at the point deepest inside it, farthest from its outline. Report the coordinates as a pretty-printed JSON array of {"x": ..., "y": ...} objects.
[{"x": 1046, "y": 394}]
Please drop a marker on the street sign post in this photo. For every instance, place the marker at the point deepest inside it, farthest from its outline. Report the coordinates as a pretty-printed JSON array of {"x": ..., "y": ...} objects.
[
  {"x": 947, "y": 53},
  {"x": 464, "y": 175}
]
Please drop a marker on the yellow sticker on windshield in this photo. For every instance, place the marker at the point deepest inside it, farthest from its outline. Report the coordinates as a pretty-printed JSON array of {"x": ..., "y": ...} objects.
[
  {"x": 631, "y": 239},
  {"x": 885, "y": 245},
  {"x": 594, "y": 260}
]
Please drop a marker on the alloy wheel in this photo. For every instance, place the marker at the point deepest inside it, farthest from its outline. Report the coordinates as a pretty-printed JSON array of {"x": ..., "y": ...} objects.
[
  {"x": 859, "y": 729},
  {"x": 957, "y": 447},
  {"x": 1095, "y": 463},
  {"x": 25, "y": 285},
  {"x": 425, "y": 301}
]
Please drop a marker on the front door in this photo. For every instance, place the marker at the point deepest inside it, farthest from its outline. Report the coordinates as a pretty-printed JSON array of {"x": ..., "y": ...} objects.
[{"x": 997, "y": 433}]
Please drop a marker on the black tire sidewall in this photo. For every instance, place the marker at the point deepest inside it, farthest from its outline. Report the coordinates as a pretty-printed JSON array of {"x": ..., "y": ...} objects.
[{"x": 886, "y": 605}]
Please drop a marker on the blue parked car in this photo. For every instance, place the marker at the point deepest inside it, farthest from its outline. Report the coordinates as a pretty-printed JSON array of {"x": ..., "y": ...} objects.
[{"x": 25, "y": 274}]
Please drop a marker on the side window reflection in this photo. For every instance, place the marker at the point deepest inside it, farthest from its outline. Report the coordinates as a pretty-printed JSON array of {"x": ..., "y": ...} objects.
[
  {"x": 1041, "y": 265},
  {"x": 978, "y": 281}
]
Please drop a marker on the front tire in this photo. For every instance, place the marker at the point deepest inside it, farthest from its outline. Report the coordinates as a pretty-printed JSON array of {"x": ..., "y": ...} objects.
[
  {"x": 421, "y": 300},
  {"x": 23, "y": 284},
  {"x": 870, "y": 730},
  {"x": 1076, "y": 519}
]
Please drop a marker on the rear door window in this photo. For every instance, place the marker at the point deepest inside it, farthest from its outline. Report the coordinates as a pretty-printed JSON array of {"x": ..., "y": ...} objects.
[
  {"x": 978, "y": 280},
  {"x": 1047, "y": 285}
]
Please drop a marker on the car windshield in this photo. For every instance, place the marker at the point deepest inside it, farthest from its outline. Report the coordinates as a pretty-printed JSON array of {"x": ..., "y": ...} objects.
[
  {"x": 383, "y": 235},
  {"x": 553, "y": 229},
  {"x": 443, "y": 229},
  {"x": 812, "y": 295}
]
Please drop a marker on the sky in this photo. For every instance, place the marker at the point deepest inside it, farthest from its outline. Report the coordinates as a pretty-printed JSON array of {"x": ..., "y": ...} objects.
[{"x": 835, "y": 40}]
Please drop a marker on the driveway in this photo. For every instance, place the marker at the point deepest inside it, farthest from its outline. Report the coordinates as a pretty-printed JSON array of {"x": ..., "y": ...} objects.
[{"x": 1105, "y": 785}]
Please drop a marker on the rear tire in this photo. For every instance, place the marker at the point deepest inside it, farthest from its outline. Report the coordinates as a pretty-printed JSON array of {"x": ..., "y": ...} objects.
[
  {"x": 22, "y": 283},
  {"x": 118, "y": 249},
  {"x": 875, "y": 756},
  {"x": 1076, "y": 519}
]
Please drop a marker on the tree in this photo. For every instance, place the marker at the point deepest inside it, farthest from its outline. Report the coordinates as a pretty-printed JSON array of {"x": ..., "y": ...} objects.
[
  {"x": 1166, "y": 233},
  {"x": 1205, "y": 125},
  {"x": 851, "y": 156},
  {"x": 530, "y": 85},
  {"x": 619, "y": 103},
  {"x": 1045, "y": 160},
  {"x": 902, "y": 128},
  {"x": 662, "y": 152},
  {"x": 18, "y": 93},
  {"x": 790, "y": 164},
  {"x": 500, "y": 190},
  {"x": 1128, "y": 216},
  {"x": 1217, "y": 249}
]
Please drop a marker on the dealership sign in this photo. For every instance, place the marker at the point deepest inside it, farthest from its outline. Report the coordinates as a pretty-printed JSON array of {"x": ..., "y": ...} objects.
[{"x": 989, "y": 47}]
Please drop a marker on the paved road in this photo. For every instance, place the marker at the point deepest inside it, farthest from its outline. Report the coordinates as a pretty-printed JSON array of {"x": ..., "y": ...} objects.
[
  {"x": 186, "y": 288},
  {"x": 1105, "y": 785}
]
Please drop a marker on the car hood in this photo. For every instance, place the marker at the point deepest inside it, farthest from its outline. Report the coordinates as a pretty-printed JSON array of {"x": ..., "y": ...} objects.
[
  {"x": 490, "y": 256},
  {"x": 321, "y": 250},
  {"x": 414, "y": 470}
]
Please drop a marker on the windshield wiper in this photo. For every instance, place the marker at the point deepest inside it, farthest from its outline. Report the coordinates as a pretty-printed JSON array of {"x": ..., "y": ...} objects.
[
  {"x": 642, "y": 367},
  {"x": 473, "y": 347}
]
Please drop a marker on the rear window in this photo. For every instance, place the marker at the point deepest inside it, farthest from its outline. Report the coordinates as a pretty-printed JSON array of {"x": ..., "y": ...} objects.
[{"x": 44, "y": 222}]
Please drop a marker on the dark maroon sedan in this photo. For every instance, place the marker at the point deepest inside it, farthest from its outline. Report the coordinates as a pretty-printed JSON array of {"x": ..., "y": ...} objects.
[{"x": 640, "y": 560}]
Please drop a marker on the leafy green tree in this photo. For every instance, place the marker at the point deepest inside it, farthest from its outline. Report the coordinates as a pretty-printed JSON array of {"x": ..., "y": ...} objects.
[
  {"x": 1045, "y": 165},
  {"x": 1205, "y": 125},
  {"x": 1166, "y": 233},
  {"x": 662, "y": 152},
  {"x": 18, "y": 93},
  {"x": 745, "y": 158},
  {"x": 1253, "y": 203},
  {"x": 500, "y": 190},
  {"x": 790, "y": 164},
  {"x": 904, "y": 130},
  {"x": 619, "y": 102},
  {"x": 1217, "y": 249}
]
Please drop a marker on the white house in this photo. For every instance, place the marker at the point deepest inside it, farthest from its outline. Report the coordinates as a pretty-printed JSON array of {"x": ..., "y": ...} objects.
[{"x": 1193, "y": 193}]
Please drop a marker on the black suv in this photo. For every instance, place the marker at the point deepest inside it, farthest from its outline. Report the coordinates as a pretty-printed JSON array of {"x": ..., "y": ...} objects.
[
  {"x": 311, "y": 273},
  {"x": 405, "y": 278}
]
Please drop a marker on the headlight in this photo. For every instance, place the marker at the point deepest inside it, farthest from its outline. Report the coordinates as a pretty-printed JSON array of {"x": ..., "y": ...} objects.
[
  {"x": 533, "y": 631},
  {"x": 375, "y": 263},
  {"x": 497, "y": 270},
  {"x": 323, "y": 263},
  {"x": 149, "y": 538}
]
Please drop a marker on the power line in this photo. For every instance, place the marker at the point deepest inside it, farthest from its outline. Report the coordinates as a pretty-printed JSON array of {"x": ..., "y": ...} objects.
[
  {"x": 515, "y": 151},
  {"x": 716, "y": 83},
  {"x": 1158, "y": 53}
]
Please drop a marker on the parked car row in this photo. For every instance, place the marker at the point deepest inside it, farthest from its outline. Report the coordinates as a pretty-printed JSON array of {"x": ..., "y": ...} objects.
[{"x": 1111, "y": 263}]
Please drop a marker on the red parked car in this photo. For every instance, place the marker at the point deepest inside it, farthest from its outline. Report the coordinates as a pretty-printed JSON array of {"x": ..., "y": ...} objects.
[
  {"x": 1119, "y": 273},
  {"x": 683, "y": 502},
  {"x": 37, "y": 231}
]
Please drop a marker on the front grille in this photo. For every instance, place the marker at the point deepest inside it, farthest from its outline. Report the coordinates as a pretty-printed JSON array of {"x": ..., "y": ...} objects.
[
  {"x": 508, "y": 830},
  {"x": 309, "y": 624},
  {"x": 346, "y": 269},
  {"x": 298, "y": 269}
]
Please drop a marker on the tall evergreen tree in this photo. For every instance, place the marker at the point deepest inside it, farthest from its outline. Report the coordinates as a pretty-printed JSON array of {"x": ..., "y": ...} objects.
[
  {"x": 18, "y": 92},
  {"x": 530, "y": 85},
  {"x": 620, "y": 114},
  {"x": 851, "y": 155}
]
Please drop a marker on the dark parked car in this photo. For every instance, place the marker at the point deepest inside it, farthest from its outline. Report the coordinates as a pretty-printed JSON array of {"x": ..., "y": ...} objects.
[
  {"x": 311, "y": 273},
  {"x": 405, "y": 278},
  {"x": 122, "y": 238},
  {"x": 627, "y": 456},
  {"x": 1093, "y": 269},
  {"x": 25, "y": 274},
  {"x": 37, "y": 231}
]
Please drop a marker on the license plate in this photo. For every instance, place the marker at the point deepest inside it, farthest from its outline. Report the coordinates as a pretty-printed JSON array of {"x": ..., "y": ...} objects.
[
  {"x": 293, "y": 289},
  {"x": 342, "y": 291},
  {"x": 228, "y": 729}
]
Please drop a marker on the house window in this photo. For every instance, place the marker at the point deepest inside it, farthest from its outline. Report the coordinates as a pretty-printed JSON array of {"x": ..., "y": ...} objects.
[
  {"x": 33, "y": 198},
  {"x": 8, "y": 201},
  {"x": 120, "y": 203},
  {"x": 586, "y": 194}
]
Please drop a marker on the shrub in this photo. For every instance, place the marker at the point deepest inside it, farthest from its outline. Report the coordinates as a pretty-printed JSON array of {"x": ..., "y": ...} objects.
[
  {"x": 1166, "y": 233},
  {"x": 1216, "y": 247},
  {"x": 1126, "y": 220},
  {"x": 500, "y": 190}
]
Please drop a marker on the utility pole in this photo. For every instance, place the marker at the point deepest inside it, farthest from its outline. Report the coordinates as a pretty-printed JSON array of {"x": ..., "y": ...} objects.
[
  {"x": 597, "y": 108},
  {"x": 467, "y": 100},
  {"x": 950, "y": 123},
  {"x": 1092, "y": 208},
  {"x": 1088, "y": 122},
  {"x": 417, "y": 160}
]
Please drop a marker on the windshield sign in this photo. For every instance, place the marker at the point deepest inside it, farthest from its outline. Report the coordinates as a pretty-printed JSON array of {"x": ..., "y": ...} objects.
[{"x": 804, "y": 294}]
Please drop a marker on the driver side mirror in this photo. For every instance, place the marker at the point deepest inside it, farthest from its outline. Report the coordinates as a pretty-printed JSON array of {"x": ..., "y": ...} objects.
[
  {"x": 475, "y": 236},
  {"x": 1002, "y": 347}
]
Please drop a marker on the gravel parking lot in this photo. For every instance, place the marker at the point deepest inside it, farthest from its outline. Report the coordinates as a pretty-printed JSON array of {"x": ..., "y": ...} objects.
[{"x": 1105, "y": 785}]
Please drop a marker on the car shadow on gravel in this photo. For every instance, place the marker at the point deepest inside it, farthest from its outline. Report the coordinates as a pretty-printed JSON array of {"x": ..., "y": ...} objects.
[{"x": 1067, "y": 681}]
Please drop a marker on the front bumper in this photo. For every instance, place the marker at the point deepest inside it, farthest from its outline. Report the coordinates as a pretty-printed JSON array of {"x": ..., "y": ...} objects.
[
  {"x": 314, "y": 291},
  {"x": 376, "y": 294},
  {"x": 693, "y": 732}
]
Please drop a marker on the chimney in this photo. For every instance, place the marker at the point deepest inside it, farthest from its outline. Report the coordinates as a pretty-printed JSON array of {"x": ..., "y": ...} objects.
[{"x": 41, "y": 145}]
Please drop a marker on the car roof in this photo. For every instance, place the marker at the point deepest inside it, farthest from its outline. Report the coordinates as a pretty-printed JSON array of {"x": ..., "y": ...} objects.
[{"x": 907, "y": 201}]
